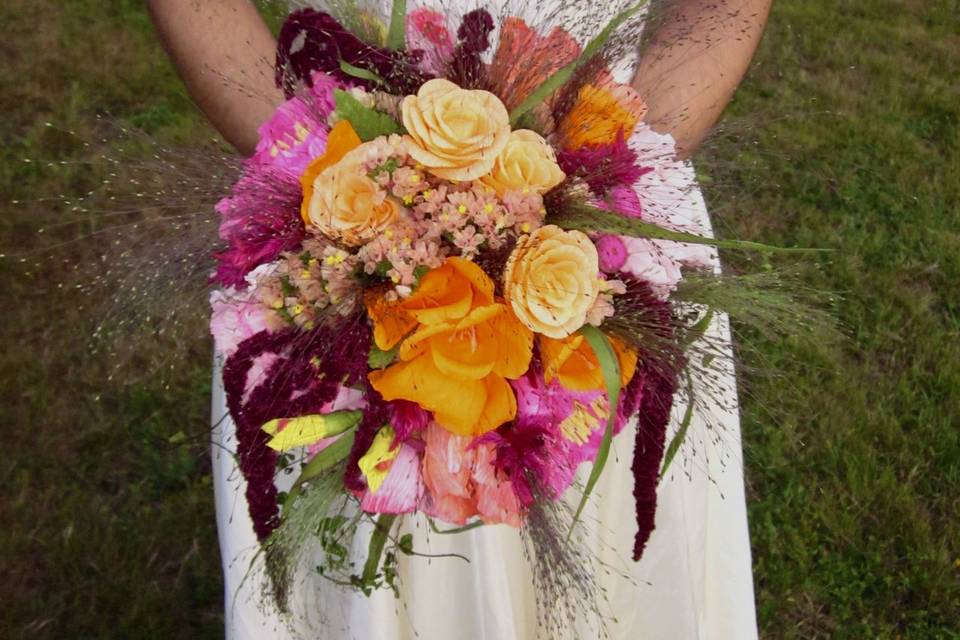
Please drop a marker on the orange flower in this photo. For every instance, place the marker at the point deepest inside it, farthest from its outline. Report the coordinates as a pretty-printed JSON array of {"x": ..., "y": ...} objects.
[
  {"x": 600, "y": 112},
  {"x": 465, "y": 347},
  {"x": 341, "y": 140},
  {"x": 574, "y": 363},
  {"x": 390, "y": 320}
]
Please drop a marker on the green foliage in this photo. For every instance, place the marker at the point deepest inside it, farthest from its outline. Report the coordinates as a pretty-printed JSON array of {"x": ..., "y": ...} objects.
[
  {"x": 610, "y": 367},
  {"x": 367, "y": 122},
  {"x": 379, "y": 359}
]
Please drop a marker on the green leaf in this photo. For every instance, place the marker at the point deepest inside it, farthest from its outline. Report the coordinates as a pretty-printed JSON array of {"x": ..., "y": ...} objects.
[
  {"x": 466, "y": 527},
  {"x": 367, "y": 122},
  {"x": 696, "y": 332},
  {"x": 321, "y": 462},
  {"x": 396, "y": 37},
  {"x": 681, "y": 433},
  {"x": 610, "y": 367},
  {"x": 357, "y": 72},
  {"x": 328, "y": 457},
  {"x": 561, "y": 76},
  {"x": 591, "y": 219},
  {"x": 381, "y": 359}
]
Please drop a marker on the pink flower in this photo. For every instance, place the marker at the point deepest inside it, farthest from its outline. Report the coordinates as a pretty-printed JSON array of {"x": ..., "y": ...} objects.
[
  {"x": 402, "y": 490},
  {"x": 236, "y": 316},
  {"x": 427, "y": 31},
  {"x": 297, "y": 131},
  {"x": 612, "y": 253},
  {"x": 463, "y": 482},
  {"x": 648, "y": 261}
]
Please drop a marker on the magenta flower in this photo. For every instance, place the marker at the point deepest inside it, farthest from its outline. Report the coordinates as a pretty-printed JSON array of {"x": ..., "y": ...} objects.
[{"x": 297, "y": 131}]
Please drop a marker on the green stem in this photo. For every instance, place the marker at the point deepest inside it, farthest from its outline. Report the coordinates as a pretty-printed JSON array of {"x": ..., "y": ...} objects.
[{"x": 378, "y": 540}]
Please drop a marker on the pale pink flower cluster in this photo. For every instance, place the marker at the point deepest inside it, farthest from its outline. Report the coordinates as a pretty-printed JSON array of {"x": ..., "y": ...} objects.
[
  {"x": 439, "y": 217},
  {"x": 300, "y": 286}
]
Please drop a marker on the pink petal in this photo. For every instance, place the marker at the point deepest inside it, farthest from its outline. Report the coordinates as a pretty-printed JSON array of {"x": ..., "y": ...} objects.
[{"x": 402, "y": 490}]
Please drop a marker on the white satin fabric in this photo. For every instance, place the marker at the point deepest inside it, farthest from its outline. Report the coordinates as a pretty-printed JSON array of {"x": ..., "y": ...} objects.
[{"x": 693, "y": 582}]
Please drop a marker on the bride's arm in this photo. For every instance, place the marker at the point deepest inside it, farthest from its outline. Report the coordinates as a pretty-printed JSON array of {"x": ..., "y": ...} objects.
[
  {"x": 696, "y": 57},
  {"x": 224, "y": 52}
]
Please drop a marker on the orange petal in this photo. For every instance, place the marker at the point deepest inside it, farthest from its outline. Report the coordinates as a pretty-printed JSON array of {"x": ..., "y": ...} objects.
[
  {"x": 441, "y": 295},
  {"x": 627, "y": 357},
  {"x": 597, "y": 117},
  {"x": 572, "y": 362},
  {"x": 514, "y": 345},
  {"x": 468, "y": 353},
  {"x": 501, "y": 405},
  {"x": 341, "y": 140},
  {"x": 479, "y": 280},
  {"x": 456, "y": 403},
  {"x": 390, "y": 321}
]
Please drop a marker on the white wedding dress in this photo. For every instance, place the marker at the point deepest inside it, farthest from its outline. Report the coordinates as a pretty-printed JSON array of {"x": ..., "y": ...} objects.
[{"x": 694, "y": 580}]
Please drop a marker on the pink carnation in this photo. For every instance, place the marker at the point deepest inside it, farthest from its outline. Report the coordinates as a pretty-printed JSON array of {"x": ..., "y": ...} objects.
[
  {"x": 427, "y": 31},
  {"x": 297, "y": 131},
  {"x": 236, "y": 316}
]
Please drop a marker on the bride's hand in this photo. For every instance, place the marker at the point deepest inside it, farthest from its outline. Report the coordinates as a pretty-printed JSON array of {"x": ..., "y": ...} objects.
[
  {"x": 225, "y": 54},
  {"x": 696, "y": 57}
]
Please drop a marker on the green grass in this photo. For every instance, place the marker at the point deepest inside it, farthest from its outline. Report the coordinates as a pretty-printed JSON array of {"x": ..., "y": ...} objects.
[{"x": 845, "y": 135}]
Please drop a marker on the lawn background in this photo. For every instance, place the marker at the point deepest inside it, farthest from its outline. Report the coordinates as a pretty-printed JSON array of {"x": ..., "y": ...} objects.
[{"x": 844, "y": 135}]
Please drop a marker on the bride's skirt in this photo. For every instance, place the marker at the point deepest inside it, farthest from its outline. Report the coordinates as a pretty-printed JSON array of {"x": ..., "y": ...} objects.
[{"x": 693, "y": 581}]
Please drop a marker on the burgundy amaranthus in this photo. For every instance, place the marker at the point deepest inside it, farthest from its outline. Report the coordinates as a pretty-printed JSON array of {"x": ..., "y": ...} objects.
[{"x": 306, "y": 374}]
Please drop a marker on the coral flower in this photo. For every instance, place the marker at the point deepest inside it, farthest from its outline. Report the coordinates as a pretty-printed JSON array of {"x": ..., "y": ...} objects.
[
  {"x": 463, "y": 480},
  {"x": 465, "y": 346},
  {"x": 575, "y": 365},
  {"x": 542, "y": 57}
]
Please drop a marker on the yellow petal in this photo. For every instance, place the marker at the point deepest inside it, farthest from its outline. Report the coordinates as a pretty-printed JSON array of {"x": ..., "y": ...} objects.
[
  {"x": 375, "y": 463},
  {"x": 289, "y": 433}
]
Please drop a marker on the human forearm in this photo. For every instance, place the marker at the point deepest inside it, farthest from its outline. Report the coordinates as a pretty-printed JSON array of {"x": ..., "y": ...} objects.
[
  {"x": 696, "y": 58},
  {"x": 224, "y": 52}
]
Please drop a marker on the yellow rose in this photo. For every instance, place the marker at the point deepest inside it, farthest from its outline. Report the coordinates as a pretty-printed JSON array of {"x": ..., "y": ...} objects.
[
  {"x": 346, "y": 205},
  {"x": 455, "y": 133},
  {"x": 551, "y": 280},
  {"x": 526, "y": 162}
]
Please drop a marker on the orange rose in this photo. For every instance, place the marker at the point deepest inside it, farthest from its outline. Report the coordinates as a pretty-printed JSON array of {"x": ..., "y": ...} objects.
[
  {"x": 455, "y": 133},
  {"x": 574, "y": 363},
  {"x": 551, "y": 280},
  {"x": 340, "y": 199},
  {"x": 465, "y": 347}
]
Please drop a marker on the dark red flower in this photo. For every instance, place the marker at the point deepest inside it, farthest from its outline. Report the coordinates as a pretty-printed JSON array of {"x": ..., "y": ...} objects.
[{"x": 311, "y": 41}]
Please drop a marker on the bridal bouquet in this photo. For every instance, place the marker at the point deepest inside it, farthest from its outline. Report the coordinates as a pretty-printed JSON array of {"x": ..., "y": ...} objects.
[{"x": 452, "y": 276}]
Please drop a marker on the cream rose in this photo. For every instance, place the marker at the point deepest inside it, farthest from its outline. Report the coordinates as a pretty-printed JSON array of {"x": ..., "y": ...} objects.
[
  {"x": 455, "y": 133},
  {"x": 346, "y": 205},
  {"x": 552, "y": 280},
  {"x": 527, "y": 162}
]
